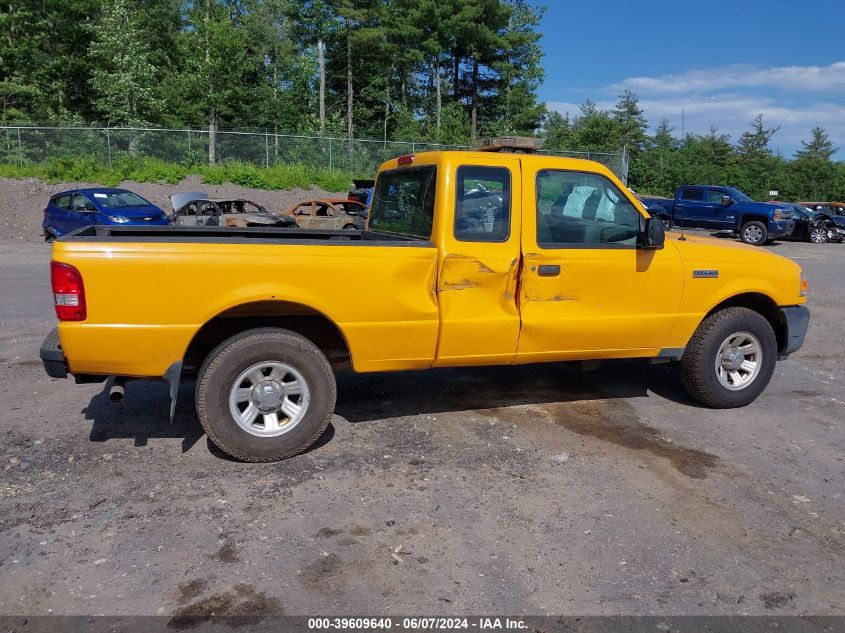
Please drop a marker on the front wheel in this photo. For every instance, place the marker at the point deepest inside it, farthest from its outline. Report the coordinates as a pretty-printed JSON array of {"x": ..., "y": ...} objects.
[
  {"x": 819, "y": 235},
  {"x": 730, "y": 358},
  {"x": 265, "y": 394},
  {"x": 754, "y": 233}
]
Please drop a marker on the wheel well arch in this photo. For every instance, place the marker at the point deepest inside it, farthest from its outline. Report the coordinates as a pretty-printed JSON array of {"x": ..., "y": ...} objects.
[
  {"x": 744, "y": 219},
  {"x": 299, "y": 318},
  {"x": 763, "y": 305}
]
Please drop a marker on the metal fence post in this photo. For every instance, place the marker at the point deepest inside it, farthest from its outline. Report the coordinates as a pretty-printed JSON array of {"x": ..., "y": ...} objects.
[
  {"x": 20, "y": 148},
  {"x": 108, "y": 144},
  {"x": 266, "y": 149},
  {"x": 189, "y": 146},
  {"x": 331, "y": 162}
]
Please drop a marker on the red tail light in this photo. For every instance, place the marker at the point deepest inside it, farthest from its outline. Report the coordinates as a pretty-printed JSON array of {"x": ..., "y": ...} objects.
[
  {"x": 68, "y": 292},
  {"x": 407, "y": 159}
]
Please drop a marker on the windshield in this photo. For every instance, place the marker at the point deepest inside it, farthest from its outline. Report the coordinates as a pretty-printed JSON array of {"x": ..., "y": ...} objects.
[
  {"x": 806, "y": 211},
  {"x": 739, "y": 196},
  {"x": 119, "y": 199},
  {"x": 403, "y": 201}
]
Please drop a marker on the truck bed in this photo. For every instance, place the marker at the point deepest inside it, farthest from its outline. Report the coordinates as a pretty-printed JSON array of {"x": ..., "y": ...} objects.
[
  {"x": 214, "y": 234},
  {"x": 149, "y": 290}
]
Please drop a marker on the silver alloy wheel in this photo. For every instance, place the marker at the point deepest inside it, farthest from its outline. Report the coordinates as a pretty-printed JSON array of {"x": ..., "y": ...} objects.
[
  {"x": 818, "y": 235},
  {"x": 739, "y": 361},
  {"x": 269, "y": 399},
  {"x": 753, "y": 234}
]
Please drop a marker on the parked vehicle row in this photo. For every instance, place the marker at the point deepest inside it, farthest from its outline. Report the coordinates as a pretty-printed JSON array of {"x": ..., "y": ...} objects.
[
  {"x": 723, "y": 208},
  {"x": 727, "y": 208},
  {"x": 75, "y": 209}
]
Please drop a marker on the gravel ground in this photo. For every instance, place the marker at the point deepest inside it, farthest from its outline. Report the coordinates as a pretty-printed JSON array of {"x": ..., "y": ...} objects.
[
  {"x": 22, "y": 202},
  {"x": 537, "y": 489}
]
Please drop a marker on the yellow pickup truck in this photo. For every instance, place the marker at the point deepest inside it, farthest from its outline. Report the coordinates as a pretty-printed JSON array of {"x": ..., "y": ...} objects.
[{"x": 469, "y": 258}]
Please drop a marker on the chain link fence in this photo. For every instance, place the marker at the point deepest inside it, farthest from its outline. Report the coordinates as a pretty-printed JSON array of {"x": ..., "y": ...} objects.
[{"x": 25, "y": 144}]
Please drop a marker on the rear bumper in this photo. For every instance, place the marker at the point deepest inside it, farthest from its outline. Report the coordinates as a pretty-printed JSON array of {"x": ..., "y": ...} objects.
[
  {"x": 55, "y": 363},
  {"x": 797, "y": 320},
  {"x": 52, "y": 356}
]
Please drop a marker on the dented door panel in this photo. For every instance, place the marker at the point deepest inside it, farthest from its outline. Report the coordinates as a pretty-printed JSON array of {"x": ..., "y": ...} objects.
[{"x": 476, "y": 284}]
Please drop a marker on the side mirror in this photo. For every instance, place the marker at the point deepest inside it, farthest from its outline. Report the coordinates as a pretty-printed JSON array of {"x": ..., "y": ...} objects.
[
  {"x": 727, "y": 201},
  {"x": 654, "y": 235}
]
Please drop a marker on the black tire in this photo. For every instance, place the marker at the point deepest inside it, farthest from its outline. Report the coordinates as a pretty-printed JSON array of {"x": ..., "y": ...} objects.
[
  {"x": 349, "y": 227},
  {"x": 667, "y": 223},
  {"x": 234, "y": 355},
  {"x": 749, "y": 233},
  {"x": 818, "y": 235},
  {"x": 698, "y": 364}
]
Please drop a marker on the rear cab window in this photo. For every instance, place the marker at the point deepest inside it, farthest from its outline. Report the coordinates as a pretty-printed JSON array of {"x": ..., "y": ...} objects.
[
  {"x": 482, "y": 204},
  {"x": 692, "y": 194},
  {"x": 403, "y": 201}
]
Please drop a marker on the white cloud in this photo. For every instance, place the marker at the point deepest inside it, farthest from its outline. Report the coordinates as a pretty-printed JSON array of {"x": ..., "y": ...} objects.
[
  {"x": 794, "y": 98},
  {"x": 792, "y": 78}
]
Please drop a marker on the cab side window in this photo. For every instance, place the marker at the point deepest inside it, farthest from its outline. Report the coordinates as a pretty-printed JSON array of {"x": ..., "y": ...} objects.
[
  {"x": 715, "y": 197},
  {"x": 62, "y": 202},
  {"x": 482, "y": 204},
  {"x": 577, "y": 209}
]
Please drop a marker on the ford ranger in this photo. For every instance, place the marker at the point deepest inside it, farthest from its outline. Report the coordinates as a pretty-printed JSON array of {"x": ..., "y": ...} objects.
[
  {"x": 723, "y": 208},
  {"x": 469, "y": 258}
]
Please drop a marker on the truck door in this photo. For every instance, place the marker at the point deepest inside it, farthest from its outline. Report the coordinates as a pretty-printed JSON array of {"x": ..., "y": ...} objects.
[
  {"x": 689, "y": 205},
  {"x": 717, "y": 215},
  {"x": 476, "y": 284},
  {"x": 586, "y": 289}
]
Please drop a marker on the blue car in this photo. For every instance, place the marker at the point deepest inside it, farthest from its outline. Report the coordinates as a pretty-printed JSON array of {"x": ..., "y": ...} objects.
[{"x": 71, "y": 210}]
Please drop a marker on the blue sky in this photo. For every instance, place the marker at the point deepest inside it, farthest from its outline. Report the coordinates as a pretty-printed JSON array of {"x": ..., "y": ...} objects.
[{"x": 720, "y": 62}]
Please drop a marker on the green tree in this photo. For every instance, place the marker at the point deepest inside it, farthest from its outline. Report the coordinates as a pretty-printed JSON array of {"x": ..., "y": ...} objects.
[
  {"x": 632, "y": 124},
  {"x": 813, "y": 165},
  {"x": 123, "y": 73},
  {"x": 755, "y": 159}
]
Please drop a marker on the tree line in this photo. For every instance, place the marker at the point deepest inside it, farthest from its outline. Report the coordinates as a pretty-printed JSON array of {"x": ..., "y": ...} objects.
[
  {"x": 661, "y": 161},
  {"x": 438, "y": 70},
  {"x": 445, "y": 71}
]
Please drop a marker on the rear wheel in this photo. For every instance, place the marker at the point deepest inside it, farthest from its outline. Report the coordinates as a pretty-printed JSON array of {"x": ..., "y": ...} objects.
[
  {"x": 730, "y": 358},
  {"x": 754, "y": 233},
  {"x": 667, "y": 223},
  {"x": 349, "y": 227},
  {"x": 818, "y": 235},
  {"x": 265, "y": 394}
]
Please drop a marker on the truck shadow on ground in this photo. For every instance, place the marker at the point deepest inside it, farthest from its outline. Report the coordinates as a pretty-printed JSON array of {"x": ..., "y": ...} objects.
[
  {"x": 145, "y": 412},
  {"x": 145, "y": 415},
  {"x": 369, "y": 397}
]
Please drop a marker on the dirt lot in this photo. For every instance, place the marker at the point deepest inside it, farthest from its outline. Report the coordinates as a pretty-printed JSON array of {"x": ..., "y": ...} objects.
[
  {"x": 22, "y": 202},
  {"x": 538, "y": 489}
]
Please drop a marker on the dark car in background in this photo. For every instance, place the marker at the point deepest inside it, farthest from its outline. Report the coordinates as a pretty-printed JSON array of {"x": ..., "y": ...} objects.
[
  {"x": 814, "y": 226},
  {"x": 78, "y": 208},
  {"x": 831, "y": 208}
]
